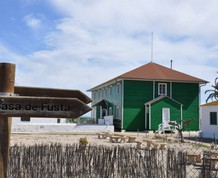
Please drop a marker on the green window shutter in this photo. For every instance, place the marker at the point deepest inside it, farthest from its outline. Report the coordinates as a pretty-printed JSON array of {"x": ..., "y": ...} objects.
[{"x": 213, "y": 118}]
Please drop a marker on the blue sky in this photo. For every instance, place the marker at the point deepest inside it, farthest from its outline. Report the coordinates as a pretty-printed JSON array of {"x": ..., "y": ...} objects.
[{"x": 77, "y": 44}]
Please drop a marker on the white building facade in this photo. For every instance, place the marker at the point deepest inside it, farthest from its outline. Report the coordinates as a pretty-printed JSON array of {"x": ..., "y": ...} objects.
[{"x": 209, "y": 123}]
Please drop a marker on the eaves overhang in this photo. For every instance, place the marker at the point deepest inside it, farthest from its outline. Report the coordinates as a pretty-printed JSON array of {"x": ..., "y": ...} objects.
[{"x": 160, "y": 98}]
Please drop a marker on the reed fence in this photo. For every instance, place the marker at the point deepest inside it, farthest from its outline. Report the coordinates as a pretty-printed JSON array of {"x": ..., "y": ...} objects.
[{"x": 95, "y": 161}]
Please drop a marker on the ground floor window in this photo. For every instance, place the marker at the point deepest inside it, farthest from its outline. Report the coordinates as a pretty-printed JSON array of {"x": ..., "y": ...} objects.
[
  {"x": 110, "y": 111},
  {"x": 213, "y": 118},
  {"x": 25, "y": 119},
  {"x": 117, "y": 112}
]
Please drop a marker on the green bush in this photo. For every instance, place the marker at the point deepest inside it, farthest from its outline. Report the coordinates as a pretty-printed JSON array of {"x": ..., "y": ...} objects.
[{"x": 83, "y": 141}]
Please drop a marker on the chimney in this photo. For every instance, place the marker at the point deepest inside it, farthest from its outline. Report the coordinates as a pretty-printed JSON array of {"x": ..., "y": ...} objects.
[{"x": 171, "y": 64}]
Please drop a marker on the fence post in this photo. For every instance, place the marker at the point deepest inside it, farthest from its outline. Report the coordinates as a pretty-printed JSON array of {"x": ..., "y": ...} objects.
[{"x": 7, "y": 77}]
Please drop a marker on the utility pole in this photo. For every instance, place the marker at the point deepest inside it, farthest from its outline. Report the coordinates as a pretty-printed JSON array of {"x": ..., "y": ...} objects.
[
  {"x": 152, "y": 47},
  {"x": 7, "y": 78}
]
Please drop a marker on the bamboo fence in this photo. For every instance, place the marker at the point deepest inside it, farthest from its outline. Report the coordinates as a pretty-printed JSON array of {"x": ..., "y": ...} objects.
[{"x": 95, "y": 161}]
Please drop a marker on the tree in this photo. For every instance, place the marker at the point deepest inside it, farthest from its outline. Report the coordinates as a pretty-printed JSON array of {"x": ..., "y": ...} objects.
[
  {"x": 213, "y": 92},
  {"x": 181, "y": 126}
]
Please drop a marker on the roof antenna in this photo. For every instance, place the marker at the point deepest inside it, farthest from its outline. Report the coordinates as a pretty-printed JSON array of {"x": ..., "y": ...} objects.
[{"x": 152, "y": 47}]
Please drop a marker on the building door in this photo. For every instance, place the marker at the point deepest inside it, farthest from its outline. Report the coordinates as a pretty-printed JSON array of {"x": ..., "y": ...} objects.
[
  {"x": 104, "y": 112},
  {"x": 165, "y": 117}
]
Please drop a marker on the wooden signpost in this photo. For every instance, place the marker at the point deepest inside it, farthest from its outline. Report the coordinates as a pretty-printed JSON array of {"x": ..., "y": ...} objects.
[
  {"x": 24, "y": 106},
  {"x": 51, "y": 92},
  {"x": 19, "y": 101}
]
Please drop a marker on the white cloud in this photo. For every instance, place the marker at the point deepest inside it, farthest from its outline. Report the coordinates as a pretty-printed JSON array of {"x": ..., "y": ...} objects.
[
  {"x": 98, "y": 40},
  {"x": 32, "y": 21}
]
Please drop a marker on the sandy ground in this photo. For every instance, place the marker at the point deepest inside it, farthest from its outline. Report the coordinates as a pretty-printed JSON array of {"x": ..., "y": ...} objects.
[
  {"x": 66, "y": 138},
  {"x": 71, "y": 138}
]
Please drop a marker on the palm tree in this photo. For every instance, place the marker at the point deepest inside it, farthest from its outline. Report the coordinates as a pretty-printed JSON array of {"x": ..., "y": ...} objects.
[{"x": 213, "y": 92}]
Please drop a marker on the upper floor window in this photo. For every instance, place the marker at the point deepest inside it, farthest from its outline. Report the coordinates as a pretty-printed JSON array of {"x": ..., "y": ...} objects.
[
  {"x": 118, "y": 89},
  {"x": 213, "y": 118},
  {"x": 94, "y": 95},
  {"x": 105, "y": 91},
  {"x": 110, "y": 91},
  {"x": 98, "y": 94},
  {"x": 102, "y": 93},
  {"x": 162, "y": 89}
]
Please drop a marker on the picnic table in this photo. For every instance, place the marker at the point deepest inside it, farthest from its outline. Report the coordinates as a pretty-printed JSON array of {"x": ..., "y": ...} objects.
[
  {"x": 210, "y": 159},
  {"x": 193, "y": 158},
  {"x": 155, "y": 144},
  {"x": 131, "y": 139},
  {"x": 117, "y": 139},
  {"x": 103, "y": 135}
]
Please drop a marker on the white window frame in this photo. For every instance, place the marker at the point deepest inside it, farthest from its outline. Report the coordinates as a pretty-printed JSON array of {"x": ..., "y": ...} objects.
[
  {"x": 118, "y": 88},
  {"x": 162, "y": 91},
  {"x": 110, "y": 111}
]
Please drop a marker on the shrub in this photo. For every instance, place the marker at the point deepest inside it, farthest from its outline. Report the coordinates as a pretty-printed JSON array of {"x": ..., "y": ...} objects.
[{"x": 83, "y": 141}]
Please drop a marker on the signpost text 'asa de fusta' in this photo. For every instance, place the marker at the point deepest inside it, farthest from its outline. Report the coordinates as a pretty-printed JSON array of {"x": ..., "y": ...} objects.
[{"x": 20, "y": 101}]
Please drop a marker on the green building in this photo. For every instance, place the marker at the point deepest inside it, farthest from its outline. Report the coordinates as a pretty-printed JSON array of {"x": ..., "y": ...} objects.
[{"x": 147, "y": 98}]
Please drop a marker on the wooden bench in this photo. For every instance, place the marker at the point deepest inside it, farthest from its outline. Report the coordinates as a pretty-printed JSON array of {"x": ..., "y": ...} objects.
[
  {"x": 138, "y": 144},
  {"x": 212, "y": 162},
  {"x": 117, "y": 139},
  {"x": 149, "y": 143},
  {"x": 131, "y": 139},
  {"x": 194, "y": 158},
  {"x": 103, "y": 135},
  {"x": 155, "y": 144},
  {"x": 163, "y": 146},
  {"x": 210, "y": 158}
]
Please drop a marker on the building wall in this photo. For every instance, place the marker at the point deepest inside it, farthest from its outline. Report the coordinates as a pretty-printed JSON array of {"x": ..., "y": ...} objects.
[
  {"x": 17, "y": 120},
  {"x": 207, "y": 130},
  {"x": 188, "y": 95},
  {"x": 156, "y": 112},
  {"x": 136, "y": 94},
  {"x": 113, "y": 95}
]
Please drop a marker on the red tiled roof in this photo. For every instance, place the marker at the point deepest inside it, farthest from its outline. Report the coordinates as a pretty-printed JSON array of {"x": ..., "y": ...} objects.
[
  {"x": 153, "y": 71},
  {"x": 214, "y": 103}
]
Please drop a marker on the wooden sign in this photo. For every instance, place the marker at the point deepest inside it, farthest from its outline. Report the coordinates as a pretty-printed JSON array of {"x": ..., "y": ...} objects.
[
  {"x": 51, "y": 92},
  {"x": 32, "y": 102},
  {"x": 23, "y": 106}
]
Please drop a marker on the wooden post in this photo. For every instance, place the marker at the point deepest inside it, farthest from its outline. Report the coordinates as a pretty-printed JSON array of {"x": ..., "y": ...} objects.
[{"x": 7, "y": 78}]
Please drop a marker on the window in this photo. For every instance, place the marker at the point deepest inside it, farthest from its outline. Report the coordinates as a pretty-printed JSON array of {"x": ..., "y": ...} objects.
[
  {"x": 213, "y": 118},
  {"x": 162, "y": 89},
  {"x": 94, "y": 95},
  {"x": 118, "y": 88},
  {"x": 110, "y": 111},
  {"x": 98, "y": 94},
  {"x": 105, "y": 91},
  {"x": 25, "y": 119},
  {"x": 110, "y": 92},
  {"x": 117, "y": 112},
  {"x": 102, "y": 93}
]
